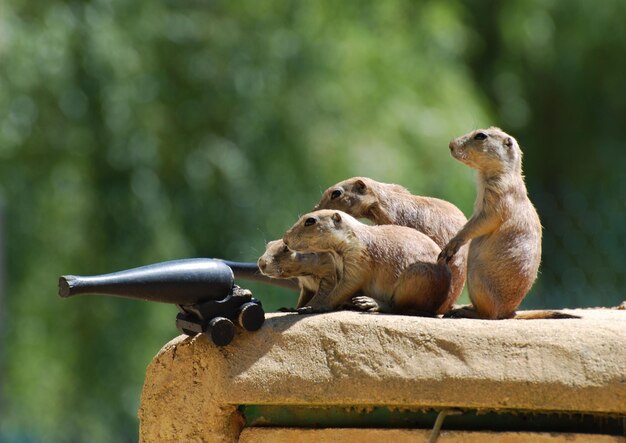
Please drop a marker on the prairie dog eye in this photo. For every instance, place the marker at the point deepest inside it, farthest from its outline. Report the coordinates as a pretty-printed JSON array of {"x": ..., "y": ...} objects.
[
  {"x": 480, "y": 136},
  {"x": 335, "y": 194},
  {"x": 310, "y": 221}
]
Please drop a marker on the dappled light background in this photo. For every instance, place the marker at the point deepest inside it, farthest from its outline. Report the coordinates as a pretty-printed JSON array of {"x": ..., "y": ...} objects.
[{"x": 139, "y": 132}]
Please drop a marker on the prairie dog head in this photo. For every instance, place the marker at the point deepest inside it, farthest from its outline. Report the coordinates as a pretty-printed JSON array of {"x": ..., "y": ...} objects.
[
  {"x": 279, "y": 261},
  {"x": 324, "y": 230},
  {"x": 272, "y": 262},
  {"x": 488, "y": 150},
  {"x": 355, "y": 196}
]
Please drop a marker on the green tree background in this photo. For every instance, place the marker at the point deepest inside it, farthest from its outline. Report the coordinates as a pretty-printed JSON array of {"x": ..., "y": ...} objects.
[{"x": 138, "y": 132}]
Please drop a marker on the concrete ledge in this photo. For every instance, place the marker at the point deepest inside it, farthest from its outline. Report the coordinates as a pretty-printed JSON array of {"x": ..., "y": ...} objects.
[
  {"x": 193, "y": 389},
  {"x": 286, "y": 435}
]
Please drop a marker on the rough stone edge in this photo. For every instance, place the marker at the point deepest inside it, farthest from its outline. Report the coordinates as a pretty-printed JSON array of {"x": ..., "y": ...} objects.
[
  {"x": 184, "y": 414},
  {"x": 249, "y": 375},
  {"x": 344, "y": 435},
  {"x": 211, "y": 417}
]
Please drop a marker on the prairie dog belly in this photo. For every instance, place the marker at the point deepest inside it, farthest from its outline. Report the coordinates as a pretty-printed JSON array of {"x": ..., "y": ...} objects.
[{"x": 505, "y": 257}]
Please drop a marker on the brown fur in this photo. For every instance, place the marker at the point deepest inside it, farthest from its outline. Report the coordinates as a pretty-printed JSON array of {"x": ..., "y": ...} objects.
[
  {"x": 393, "y": 265},
  {"x": 317, "y": 273},
  {"x": 391, "y": 204},
  {"x": 505, "y": 231}
]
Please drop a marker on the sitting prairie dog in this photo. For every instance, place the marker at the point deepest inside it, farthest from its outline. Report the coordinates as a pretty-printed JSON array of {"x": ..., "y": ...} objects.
[
  {"x": 317, "y": 273},
  {"x": 505, "y": 231},
  {"x": 393, "y": 265},
  {"x": 391, "y": 204}
]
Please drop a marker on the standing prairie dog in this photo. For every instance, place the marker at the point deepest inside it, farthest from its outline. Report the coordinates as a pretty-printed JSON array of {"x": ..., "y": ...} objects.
[
  {"x": 317, "y": 273},
  {"x": 505, "y": 231},
  {"x": 391, "y": 204},
  {"x": 393, "y": 265}
]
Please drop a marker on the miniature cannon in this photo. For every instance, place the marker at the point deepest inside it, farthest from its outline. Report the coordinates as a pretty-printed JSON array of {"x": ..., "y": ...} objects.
[{"x": 203, "y": 289}]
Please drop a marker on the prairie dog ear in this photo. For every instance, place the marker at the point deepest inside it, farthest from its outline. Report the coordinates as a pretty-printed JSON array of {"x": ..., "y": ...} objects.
[
  {"x": 508, "y": 142},
  {"x": 336, "y": 217},
  {"x": 360, "y": 185}
]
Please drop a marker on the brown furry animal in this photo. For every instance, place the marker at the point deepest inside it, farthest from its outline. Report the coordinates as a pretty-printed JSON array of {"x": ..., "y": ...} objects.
[
  {"x": 505, "y": 231},
  {"x": 317, "y": 273},
  {"x": 394, "y": 267},
  {"x": 391, "y": 204}
]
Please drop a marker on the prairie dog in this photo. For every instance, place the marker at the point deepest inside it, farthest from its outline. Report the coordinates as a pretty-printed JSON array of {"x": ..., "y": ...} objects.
[
  {"x": 391, "y": 204},
  {"x": 394, "y": 265},
  {"x": 317, "y": 273},
  {"x": 505, "y": 231}
]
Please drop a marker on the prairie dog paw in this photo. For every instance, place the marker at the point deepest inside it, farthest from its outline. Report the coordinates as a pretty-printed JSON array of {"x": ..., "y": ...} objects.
[
  {"x": 449, "y": 250},
  {"x": 306, "y": 310},
  {"x": 363, "y": 303},
  {"x": 462, "y": 312},
  {"x": 287, "y": 310}
]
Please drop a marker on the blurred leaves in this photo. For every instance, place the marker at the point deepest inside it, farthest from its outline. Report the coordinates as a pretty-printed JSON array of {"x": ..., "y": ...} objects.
[{"x": 138, "y": 132}]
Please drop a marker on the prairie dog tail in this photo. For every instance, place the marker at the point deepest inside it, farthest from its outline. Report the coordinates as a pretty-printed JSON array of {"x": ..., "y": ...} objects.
[{"x": 537, "y": 315}]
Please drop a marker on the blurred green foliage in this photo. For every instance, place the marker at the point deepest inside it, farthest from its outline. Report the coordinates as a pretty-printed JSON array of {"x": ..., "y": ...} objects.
[{"x": 138, "y": 132}]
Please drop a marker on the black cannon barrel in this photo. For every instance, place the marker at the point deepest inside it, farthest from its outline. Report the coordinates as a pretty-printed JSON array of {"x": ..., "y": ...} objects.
[
  {"x": 182, "y": 282},
  {"x": 250, "y": 271}
]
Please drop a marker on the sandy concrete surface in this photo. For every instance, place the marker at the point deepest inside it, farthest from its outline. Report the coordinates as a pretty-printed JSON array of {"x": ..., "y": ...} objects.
[
  {"x": 192, "y": 388},
  {"x": 287, "y": 435}
]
